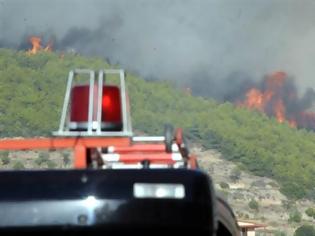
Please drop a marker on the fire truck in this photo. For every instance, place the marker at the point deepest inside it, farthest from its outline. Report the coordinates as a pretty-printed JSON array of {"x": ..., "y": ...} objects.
[{"x": 120, "y": 183}]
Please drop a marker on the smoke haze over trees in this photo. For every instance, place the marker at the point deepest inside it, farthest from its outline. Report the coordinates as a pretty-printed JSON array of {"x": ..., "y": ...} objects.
[{"x": 218, "y": 43}]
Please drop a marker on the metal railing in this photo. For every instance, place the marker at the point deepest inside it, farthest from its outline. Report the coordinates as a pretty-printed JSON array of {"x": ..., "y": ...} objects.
[{"x": 92, "y": 129}]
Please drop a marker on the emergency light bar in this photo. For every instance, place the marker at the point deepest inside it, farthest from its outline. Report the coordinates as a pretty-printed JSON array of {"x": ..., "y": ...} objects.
[{"x": 95, "y": 109}]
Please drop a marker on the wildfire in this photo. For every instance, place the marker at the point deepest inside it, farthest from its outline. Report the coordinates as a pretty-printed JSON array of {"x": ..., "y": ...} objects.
[
  {"x": 292, "y": 123},
  {"x": 37, "y": 46},
  {"x": 274, "y": 96},
  {"x": 262, "y": 100},
  {"x": 279, "y": 111},
  {"x": 255, "y": 99},
  {"x": 48, "y": 48}
]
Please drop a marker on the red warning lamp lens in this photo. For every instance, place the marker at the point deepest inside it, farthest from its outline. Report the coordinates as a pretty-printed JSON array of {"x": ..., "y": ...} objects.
[
  {"x": 111, "y": 105},
  {"x": 111, "y": 108},
  {"x": 106, "y": 103},
  {"x": 79, "y": 103}
]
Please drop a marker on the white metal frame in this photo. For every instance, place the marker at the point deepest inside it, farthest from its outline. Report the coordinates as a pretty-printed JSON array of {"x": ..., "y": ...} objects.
[{"x": 91, "y": 130}]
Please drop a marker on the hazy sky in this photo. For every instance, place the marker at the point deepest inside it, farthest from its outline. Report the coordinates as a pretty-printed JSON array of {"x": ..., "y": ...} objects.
[{"x": 177, "y": 39}]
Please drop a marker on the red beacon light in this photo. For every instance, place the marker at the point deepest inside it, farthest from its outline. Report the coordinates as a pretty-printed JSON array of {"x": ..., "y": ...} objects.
[
  {"x": 111, "y": 118},
  {"x": 111, "y": 106},
  {"x": 96, "y": 108}
]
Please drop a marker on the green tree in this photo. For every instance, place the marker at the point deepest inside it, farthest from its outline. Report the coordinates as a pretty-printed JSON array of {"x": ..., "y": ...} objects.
[
  {"x": 293, "y": 189},
  {"x": 279, "y": 233},
  {"x": 305, "y": 230},
  {"x": 5, "y": 160},
  {"x": 66, "y": 158},
  {"x": 235, "y": 174},
  {"x": 253, "y": 204},
  {"x": 51, "y": 164},
  {"x": 310, "y": 212},
  {"x": 295, "y": 216},
  {"x": 224, "y": 185},
  {"x": 43, "y": 158},
  {"x": 18, "y": 165},
  {"x": 4, "y": 153}
]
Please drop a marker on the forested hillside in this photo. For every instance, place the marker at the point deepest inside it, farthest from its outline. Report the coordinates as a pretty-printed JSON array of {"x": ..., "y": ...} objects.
[{"x": 32, "y": 90}]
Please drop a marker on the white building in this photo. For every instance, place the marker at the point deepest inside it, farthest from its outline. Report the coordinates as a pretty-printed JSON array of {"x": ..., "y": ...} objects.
[{"x": 248, "y": 228}]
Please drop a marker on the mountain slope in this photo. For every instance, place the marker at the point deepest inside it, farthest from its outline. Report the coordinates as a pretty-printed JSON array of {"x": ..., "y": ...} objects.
[
  {"x": 32, "y": 90},
  {"x": 241, "y": 188}
]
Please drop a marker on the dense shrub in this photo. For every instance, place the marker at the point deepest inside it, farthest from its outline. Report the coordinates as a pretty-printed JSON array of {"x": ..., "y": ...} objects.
[
  {"x": 295, "y": 216},
  {"x": 253, "y": 204},
  {"x": 224, "y": 185},
  {"x": 305, "y": 230},
  {"x": 18, "y": 165}
]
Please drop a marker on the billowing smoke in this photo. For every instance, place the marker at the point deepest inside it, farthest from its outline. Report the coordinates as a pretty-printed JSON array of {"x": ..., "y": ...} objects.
[
  {"x": 216, "y": 47},
  {"x": 276, "y": 95}
]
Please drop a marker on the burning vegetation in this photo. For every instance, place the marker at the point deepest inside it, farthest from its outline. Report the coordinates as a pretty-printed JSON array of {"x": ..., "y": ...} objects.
[
  {"x": 276, "y": 95},
  {"x": 36, "y": 43}
]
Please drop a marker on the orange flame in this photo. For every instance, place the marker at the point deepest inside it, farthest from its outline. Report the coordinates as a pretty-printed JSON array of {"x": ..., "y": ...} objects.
[
  {"x": 36, "y": 43},
  {"x": 279, "y": 111},
  {"x": 48, "y": 48},
  {"x": 292, "y": 123},
  {"x": 255, "y": 99},
  {"x": 37, "y": 46},
  {"x": 277, "y": 96},
  {"x": 260, "y": 100}
]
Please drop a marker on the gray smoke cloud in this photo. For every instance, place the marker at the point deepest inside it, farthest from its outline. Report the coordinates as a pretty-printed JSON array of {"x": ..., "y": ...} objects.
[{"x": 213, "y": 46}]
